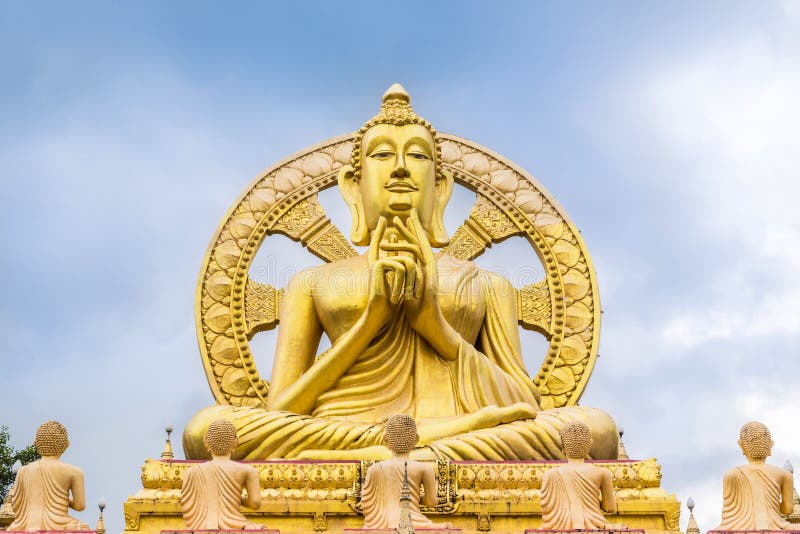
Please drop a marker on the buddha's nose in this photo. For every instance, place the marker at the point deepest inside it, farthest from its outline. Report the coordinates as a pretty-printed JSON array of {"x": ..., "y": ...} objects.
[{"x": 400, "y": 172}]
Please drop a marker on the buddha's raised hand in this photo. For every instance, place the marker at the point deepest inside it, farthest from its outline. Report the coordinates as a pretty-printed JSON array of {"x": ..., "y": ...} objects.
[
  {"x": 387, "y": 281},
  {"x": 421, "y": 306}
]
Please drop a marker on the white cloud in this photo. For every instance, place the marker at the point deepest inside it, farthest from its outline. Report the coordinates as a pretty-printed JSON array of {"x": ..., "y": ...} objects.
[{"x": 731, "y": 117}]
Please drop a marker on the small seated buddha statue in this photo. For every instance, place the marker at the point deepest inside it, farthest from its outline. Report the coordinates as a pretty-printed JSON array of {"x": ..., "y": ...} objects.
[
  {"x": 756, "y": 495},
  {"x": 417, "y": 331},
  {"x": 573, "y": 493},
  {"x": 46, "y": 489},
  {"x": 211, "y": 494},
  {"x": 383, "y": 485}
]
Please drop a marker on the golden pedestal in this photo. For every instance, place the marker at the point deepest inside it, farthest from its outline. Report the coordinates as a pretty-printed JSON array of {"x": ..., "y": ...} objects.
[{"x": 322, "y": 496}]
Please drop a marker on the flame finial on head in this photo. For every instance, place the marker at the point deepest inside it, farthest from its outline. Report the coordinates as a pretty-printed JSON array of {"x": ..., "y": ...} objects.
[{"x": 396, "y": 92}]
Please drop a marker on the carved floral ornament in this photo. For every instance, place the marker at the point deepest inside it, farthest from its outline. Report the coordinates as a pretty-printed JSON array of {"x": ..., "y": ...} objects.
[{"x": 231, "y": 308}]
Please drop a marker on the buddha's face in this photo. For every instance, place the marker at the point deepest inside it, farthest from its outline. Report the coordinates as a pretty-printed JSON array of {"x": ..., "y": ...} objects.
[{"x": 398, "y": 173}]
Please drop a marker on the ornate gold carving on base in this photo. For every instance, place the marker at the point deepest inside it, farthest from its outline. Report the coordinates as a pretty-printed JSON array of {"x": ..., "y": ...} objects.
[
  {"x": 299, "y": 495},
  {"x": 484, "y": 522},
  {"x": 320, "y": 523}
]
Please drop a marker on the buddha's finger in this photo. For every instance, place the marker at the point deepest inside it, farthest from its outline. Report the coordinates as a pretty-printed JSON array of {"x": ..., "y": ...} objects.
[
  {"x": 378, "y": 277},
  {"x": 397, "y": 272},
  {"x": 419, "y": 287},
  {"x": 377, "y": 235},
  {"x": 422, "y": 238},
  {"x": 402, "y": 247},
  {"x": 411, "y": 271},
  {"x": 398, "y": 283},
  {"x": 404, "y": 231}
]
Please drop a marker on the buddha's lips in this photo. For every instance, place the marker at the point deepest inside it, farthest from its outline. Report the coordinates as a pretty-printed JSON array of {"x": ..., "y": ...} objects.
[{"x": 401, "y": 187}]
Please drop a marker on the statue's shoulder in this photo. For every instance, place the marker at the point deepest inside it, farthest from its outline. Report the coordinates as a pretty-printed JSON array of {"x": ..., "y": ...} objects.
[
  {"x": 550, "y": 473},
  {"x": 467, "y": 269},
  {"x": 193, "y": 469},
  {"x": 775, "y": 470},
  {"x": 734, "y": 472},
  {"x": 63, "y": 467},
  {"x": 344, "y": 266},
  {"x": 308, "y": 280},
  {"x": 446, "y": 262}
]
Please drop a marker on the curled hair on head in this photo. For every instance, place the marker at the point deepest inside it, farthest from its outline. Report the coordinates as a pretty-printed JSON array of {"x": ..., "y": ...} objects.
[
  {"x": 221, "y": 437},
  {"x": 755, "y": 440},
  {"x": 51, "y": 439},
  {"x": 576, "y": 439},
  {"x": 400, "y": 433}
]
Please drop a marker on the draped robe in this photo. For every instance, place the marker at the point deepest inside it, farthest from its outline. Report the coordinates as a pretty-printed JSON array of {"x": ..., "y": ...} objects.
[
  {"x": 751, "y": 500},
  {"x": 211, "y": 499},
  {"x": 380, "y": 497},
  {"x": 570, "y": 501},
  {"x": 400, "y": 372},
  {"x": 40, "y": 499}
]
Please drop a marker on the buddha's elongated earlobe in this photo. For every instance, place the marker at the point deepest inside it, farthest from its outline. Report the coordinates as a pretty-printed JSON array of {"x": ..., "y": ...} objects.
[
  {"x": 348, "y": 187},
  {"x": 442, "y": 192}
]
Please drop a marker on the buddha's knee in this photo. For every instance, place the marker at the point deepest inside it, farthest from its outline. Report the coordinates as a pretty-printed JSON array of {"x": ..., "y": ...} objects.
[
  {"x": 194, "y": 446},
  {"x": 605, "y": 439},
  {"x": 605, "y": 444}
]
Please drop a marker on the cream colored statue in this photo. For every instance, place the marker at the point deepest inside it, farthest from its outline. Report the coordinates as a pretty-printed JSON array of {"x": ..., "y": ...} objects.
[
  {"x": 756, "y": 495},
  {"x": 413, "y": 331},
  {"x": 572, "y": 493},
  {"x": 211, "y": 494},
  {"x": 46, "y": 489},
  {"x": 380, "y": 495}
]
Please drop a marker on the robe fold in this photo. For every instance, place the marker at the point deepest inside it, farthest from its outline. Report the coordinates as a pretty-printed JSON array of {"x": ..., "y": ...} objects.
[
  {"x": 751, "y": 501},
  {"x": 40, "y": 501},
  {"x": 211, "y": 499},
  {"x": 380, "y": 497},
  {"x": 571, "y": 501}
]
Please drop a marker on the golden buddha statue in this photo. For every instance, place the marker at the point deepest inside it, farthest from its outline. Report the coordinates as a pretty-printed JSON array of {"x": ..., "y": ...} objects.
[
  {"x": 383, "y": 485},
  {"x": 572, "y": 493},
  {"x": 413, "y": 331},
  {"x": 46, "y": 489},
  {"x": 756, "y": 495},
  {"x": 211, "y": 493}
]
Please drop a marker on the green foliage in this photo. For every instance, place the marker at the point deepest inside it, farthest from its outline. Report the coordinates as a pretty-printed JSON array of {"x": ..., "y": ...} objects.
[{"x": 7, "y": 458}]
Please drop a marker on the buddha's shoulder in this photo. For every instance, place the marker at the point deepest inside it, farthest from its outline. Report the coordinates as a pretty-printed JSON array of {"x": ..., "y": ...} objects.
[
  {"x": 63, "y": 467},
  {"x": 469, "y": 268},
  {"x": 338, "y": 268}
]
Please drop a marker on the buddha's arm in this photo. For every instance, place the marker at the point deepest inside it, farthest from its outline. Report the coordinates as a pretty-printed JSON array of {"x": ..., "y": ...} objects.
[
  {"x": 429, "y": 483},
  {"x": 78, "y": 499},
  {"x": 300, "y": 396},
  {"x": 787, "y": 494},
  {"x": 253, "y": 487},
  {"x": 608, "y": 501},
  {"x": 500, "y": 331},
  {"x": 298, "y": 338},
  {"x": 300, "y": 382}
]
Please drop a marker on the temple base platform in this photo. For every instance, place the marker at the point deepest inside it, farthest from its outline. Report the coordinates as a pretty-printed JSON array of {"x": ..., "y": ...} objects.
[
  {"x": 394, "y": 531},
  {"x": 324, "y": 496},
  {"x": 587, "y": 531},
  {"x": 221, "y": 531}
]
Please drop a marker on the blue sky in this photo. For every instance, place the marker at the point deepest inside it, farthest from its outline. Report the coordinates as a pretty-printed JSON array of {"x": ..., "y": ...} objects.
[{"x": 668, "y": 131}]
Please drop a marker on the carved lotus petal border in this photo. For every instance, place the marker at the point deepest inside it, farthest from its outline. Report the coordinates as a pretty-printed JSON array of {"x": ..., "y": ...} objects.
[{"x": 294, "y": 183}]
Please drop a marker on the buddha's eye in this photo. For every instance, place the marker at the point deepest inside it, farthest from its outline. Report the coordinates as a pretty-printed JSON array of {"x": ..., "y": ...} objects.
[
  {"x": 382, "y": 154},
  {"x": 418, "y": 155}
]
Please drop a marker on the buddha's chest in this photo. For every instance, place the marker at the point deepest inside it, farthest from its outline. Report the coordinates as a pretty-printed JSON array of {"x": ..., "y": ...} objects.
[{"x": 340, "y": 298}]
